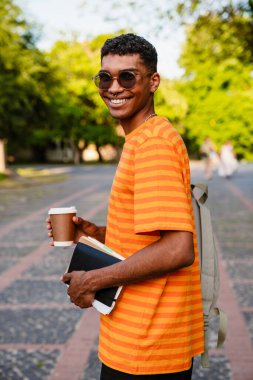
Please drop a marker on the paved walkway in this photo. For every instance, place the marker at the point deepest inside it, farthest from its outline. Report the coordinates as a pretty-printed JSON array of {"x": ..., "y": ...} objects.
[{"x": 43, "y": 336}]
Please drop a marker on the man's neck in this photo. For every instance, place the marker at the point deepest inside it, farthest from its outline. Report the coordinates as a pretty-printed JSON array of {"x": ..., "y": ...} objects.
[{"x": 129, "y": 125}]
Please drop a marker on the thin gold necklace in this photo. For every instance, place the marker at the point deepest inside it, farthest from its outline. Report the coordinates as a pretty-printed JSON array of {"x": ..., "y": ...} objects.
[{"x": 149, "y": 117}]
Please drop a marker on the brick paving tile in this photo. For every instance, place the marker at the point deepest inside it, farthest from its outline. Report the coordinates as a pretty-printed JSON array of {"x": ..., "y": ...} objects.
[{"x": 43, "y": 336}]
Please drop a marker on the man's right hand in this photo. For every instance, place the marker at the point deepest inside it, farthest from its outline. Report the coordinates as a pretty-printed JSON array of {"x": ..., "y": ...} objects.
[{"x": 82, "y": 228}]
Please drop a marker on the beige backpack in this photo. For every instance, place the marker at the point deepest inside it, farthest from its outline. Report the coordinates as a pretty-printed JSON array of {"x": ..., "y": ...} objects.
[{"x": 208, "y": 259}]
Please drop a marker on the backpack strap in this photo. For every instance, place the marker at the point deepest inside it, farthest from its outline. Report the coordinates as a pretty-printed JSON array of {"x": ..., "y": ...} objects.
[
  {"x": 222, "y": 332},
  {"x": 223, "y": 325},
  {"x": 202, "y": 194},
  {"x": 204, "y": 355},
  {"x": 209, "y": 264},
  {"x": 199, "y": 193},
  {"x": 209, "y": 270}
]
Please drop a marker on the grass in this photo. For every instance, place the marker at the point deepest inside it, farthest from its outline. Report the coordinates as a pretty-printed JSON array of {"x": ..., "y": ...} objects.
[
  {"x": 26, "y": 177},
  {"x": 3, "y": 176},
  {"x": 32, "y": 172}
]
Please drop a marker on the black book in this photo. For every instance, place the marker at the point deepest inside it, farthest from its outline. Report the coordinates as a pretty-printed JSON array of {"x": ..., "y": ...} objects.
[{"x": 90, "y": 254}]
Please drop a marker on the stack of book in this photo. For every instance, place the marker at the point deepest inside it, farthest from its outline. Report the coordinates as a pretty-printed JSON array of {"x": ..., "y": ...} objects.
[{"x": 91, "y": 254}]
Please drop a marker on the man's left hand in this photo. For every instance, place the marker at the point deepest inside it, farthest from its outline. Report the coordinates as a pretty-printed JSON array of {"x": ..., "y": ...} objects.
[{"x": 78, "y": 290}]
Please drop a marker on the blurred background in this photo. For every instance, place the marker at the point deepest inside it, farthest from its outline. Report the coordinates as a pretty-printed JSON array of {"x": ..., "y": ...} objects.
[{"x": 50, "y": 111}]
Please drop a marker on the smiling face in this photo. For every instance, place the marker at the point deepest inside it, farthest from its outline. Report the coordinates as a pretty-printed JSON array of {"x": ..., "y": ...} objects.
[{"x": 130, "y": 106}]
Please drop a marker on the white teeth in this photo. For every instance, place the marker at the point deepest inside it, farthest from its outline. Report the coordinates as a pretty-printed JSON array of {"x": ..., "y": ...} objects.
[{"x": 118, "y": 101}]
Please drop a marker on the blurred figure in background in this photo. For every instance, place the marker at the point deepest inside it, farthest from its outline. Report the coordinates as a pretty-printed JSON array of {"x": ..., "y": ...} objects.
[
  {"x": 228, "y": 161},
  {"x": 208, "y": 154}
]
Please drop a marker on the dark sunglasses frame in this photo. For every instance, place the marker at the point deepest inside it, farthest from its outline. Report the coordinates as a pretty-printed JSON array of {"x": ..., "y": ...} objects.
[{"x": 126, "y": 79}]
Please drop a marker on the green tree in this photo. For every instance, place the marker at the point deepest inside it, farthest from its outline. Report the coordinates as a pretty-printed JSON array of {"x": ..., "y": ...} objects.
[
  {"x": 158, "y": 18},
  {"x": 23, "y": 77},
  {"x": 217, "y": 55},
  {"x": 218, "y": 81},
  {"x": 78, "y": 112},
  {"x": 170, "y": 103}
]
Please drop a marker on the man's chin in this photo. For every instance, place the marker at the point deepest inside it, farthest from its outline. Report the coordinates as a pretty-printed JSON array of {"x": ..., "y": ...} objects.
[{"x": 117, "y": 114}]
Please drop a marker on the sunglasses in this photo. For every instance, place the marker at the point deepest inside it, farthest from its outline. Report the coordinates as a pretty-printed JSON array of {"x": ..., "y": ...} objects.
[{"x": 126, "y": 79}]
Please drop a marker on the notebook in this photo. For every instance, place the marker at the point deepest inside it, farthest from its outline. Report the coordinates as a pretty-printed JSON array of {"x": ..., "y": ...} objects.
[{"x": 91, "y": 254}]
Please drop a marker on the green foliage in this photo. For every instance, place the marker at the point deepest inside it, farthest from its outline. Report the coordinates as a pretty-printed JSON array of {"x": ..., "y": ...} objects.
[
  {"x": 23, "y": 78},
  {"x": 47, "y": 97},
  {"x": 170, "y": 103},
  {"x": 79, "y": 113},
  {"x": 3, "y": 176},
  {"x": 218, "y": 81}
]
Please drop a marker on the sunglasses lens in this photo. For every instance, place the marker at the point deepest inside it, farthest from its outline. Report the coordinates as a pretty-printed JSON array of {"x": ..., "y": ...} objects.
[
  {"x": 127, "y": 79},
  {"x": 103, "y": 81}
]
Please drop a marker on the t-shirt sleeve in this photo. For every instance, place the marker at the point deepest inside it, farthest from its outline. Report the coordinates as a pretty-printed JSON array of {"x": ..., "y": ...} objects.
[{"x": 160, "y": 193}]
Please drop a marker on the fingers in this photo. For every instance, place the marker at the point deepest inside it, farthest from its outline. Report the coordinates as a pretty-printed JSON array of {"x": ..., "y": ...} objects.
[
  {"x": 49, "y": 227},
  {"x": 48, "y": 222},
  {"x": 49, "y": 233},
  {"x": 77, "y": 220},
  {"x": 66, "y": 277},
  {"x": 76, "y": 295},
  {"x": 80, "y": 301}
]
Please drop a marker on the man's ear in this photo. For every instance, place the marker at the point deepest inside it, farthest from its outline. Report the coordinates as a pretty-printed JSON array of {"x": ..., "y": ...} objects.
[{"x": 154, "y": 82}]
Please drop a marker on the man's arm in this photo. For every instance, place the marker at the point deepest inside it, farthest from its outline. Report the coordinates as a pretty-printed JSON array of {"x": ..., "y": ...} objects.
[{"x": 173, "y": 251}]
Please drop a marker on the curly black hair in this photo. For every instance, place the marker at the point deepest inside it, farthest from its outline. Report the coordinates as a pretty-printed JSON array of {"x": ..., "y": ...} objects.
[{"x": 128, "y": 44}]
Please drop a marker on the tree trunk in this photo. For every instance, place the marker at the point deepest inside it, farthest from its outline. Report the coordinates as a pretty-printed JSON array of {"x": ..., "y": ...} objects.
[
  {"x": 2, "y": 157},
  {"x": 75, "y": 152},
  {"x": 100, "y": 158}
]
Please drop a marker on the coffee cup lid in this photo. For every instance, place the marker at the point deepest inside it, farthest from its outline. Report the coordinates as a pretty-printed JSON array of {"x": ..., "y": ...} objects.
[{"x": 62, "y": 210}]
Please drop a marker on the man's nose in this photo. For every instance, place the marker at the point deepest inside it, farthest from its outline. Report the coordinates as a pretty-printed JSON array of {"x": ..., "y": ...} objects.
[{"x": 115, "y": 86}]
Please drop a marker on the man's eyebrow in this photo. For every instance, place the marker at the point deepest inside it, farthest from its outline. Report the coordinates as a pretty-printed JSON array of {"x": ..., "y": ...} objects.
[
  {"x": 130, "y": 69},
  {"x": 120, "y": 71}
]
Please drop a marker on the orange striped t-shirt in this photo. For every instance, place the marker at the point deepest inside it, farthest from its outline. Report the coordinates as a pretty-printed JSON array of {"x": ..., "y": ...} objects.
[{"x": 156, "y": 326}]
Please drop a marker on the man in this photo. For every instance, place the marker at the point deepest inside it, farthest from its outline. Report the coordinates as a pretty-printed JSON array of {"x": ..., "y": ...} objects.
[{"x": 156, "y": 327}]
